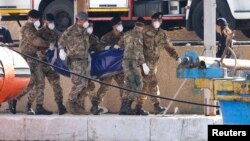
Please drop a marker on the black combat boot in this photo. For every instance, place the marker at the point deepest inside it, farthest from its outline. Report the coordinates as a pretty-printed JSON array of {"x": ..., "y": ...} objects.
[
  {"x": 12, "y": 106},
  {"x": 139, "y": 111},
  {"x": 61, "y": 108},
  {"x": 29, "y": 110},
  {"x": 126, "y": 108},
  {"x": 41, "y": 111},
  {"x": 95, "y": 110},
  {"x": 158, "y": 109}
]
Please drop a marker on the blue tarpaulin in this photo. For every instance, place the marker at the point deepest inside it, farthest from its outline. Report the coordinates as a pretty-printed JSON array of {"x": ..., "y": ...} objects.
[
  {"x": 53, "y": 58},
  {"x": 106, "y": 62},
  {"x": 103, "y": 63}
]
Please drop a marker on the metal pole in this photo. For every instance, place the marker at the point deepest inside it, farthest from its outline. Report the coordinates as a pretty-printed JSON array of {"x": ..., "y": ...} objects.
[
  {"x": 209, "y": 44},
  {"x": 75, "y": 9}
]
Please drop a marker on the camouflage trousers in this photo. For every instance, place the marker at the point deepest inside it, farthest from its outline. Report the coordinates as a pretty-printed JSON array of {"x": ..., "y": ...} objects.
[
  {"x": 133, "y": 79},
  {"x": 78, "y": 90},
  {"x": 36, "y": 78},
  {"x": 54, "y": 80},
  {"x": 119, "y": 78},
  {"x": 150, "y": 85}
]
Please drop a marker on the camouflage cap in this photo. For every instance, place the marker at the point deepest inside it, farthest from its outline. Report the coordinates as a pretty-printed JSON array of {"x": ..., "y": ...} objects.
[
  {"x": 157, "y": 15},
  {"x": 82, "y": 15}
]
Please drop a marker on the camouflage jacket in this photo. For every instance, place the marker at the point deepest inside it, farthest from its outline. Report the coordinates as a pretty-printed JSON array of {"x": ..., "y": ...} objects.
[
  {"x": 153, "y": 41},
  {"x": 110, "y": 38},
  {"x": 94, "y": 43},
  {"x": 76, "y": 40},
  {"x": 132, "y": 42},
  {"x": 30, "y": 41},
  {"x": 48, "y": 35}
]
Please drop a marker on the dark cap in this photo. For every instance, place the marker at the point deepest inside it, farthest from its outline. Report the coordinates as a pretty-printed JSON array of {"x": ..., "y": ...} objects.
[
  {"x": 34, "y": 14},
  {"x": 221, "y": 22},
  {"x": 82, "y": 15},
  {"x": 157, "y": 15},
  {"x": 140, "y": 21},
  {"x": 49, "y": 17},
  {"x": 115, "y": 20}
]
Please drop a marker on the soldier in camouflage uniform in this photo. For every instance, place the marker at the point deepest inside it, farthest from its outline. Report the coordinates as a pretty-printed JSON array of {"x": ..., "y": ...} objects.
[
  {"x": 155, "y": 38},
  {"x": 48, "y": 33},
  {"x": 109, "y": 39},
  {"x": 76, "y": 41},
  {"x": 30, "y": 43},
  {"x": 94, "y": 45},
  {"x": 132, "y": 41}
]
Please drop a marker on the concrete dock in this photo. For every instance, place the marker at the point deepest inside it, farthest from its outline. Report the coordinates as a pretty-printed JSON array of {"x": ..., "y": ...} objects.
[{"x": 106, "y": 127}]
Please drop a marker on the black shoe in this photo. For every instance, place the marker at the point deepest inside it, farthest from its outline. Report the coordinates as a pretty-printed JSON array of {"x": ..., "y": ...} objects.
[
  {"x": 126, "y": 108},
  {"x": 158, "y": 109},
  {"x": 12, "y": 106},
  {"x": 139, "y": 111},
  {"x": 61, "y": 108},
  {"x": 41, "y": 111},
  {"x": 29, "y": 110},
  {"x": 95, "y": 110}
]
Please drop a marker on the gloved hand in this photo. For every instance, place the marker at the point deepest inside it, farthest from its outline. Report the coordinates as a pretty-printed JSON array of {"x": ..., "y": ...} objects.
[
  {"x": 92, "y": 52},
  {"x": 52, "y": 46},
  {"x": 145, "y": 68},
  {"x": 179, "y": 60},
  {"x": 107, "y": 48},
  {"x": 62, "y": 54},
  {"x": 116, "y": 47}
]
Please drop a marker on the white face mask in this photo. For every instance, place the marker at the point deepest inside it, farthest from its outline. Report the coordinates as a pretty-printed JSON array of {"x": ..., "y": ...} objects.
[
  {"x": 86, "y": 24},
  {"x": 90, "y": 30},
  {"x": 119, "y": 28},
  {"x": 51, "y": 26},
  {"x": 37, "y": 24},
  {"x": 156, "y": 24}
]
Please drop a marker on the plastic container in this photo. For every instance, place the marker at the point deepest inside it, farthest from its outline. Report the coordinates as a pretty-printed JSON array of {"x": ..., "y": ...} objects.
[{"x": 173, "y": 7}]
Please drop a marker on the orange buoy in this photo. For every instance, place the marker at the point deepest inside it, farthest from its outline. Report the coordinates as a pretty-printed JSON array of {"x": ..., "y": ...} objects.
[{"x": 14, "y": 74}]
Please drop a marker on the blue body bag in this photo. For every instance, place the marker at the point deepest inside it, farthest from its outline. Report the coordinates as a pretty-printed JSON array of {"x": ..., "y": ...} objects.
[
  {"x": 53, "y": 58},
  {"x": 106, "y": 63},
  {"x": 103, "y": 63}
]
